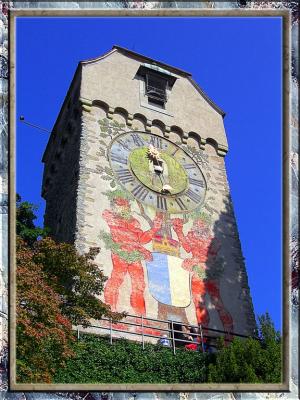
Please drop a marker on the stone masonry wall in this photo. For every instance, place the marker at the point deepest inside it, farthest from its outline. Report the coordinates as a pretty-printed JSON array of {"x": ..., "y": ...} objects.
[{"x": 60, "y": 180}]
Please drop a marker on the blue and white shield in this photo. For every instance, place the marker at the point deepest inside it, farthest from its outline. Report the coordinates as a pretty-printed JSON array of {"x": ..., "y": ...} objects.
[{"x": 169, "y": 283}]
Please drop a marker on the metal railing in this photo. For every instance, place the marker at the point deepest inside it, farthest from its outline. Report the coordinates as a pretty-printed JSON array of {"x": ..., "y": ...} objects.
[{"x": 174, "y": 336}]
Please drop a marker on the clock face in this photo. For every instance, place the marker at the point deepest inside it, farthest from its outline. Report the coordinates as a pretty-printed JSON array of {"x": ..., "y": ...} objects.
[{"x": 157, "y": 172}]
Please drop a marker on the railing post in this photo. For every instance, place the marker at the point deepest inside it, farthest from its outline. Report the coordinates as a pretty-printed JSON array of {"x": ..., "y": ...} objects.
[
  {"x": 201, "y": 336},
  {"x": 142, "y": 324},
  {"x": 173, "y": 338},
  {"x": 78, "y": 333},
  {"x": 110, "y": 320}
]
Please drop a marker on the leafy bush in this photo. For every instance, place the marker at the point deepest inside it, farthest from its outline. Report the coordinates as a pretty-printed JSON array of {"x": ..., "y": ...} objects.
[
  {"x": 243, "y": 361},
  {"x": 97, "y": 361},
  {"x": 250, "y": 360}
]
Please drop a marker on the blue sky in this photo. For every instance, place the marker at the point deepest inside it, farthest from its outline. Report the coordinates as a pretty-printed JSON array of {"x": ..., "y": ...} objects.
[{"x": 237, "y": 61}]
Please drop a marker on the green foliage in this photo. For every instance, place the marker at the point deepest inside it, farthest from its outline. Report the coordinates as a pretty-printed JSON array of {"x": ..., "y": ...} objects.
[
  {"x": 97, "y": 361},
  {"x": 266, "y": 331},
  {"x": 25, "y": 226},
  {"x": 118, "y": 194},
  {"x": 199, "y": 214},
  {"x": 250, "y": 360},
  {"x": 43, "y": 334},
  {"x": 56, "y": 287},
  {"x": 76, "y": 279},
  {"x": 128, "y": 256},
  {"x": 110, "y": 128}
]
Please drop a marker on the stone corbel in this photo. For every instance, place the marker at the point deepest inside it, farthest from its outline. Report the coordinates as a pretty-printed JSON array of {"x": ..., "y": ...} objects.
[
  {"x": 202, "y": 143},
  {"x": 167, "y": 131},
  {"x": 110, "y": 113},
  {"x": 129, "y": 120},
  {"x": 185, "y": 137},
  {"x": 222, "y": 150},
  {"x": 148, "y": 125},
  {"x": 86, "y": 104}
]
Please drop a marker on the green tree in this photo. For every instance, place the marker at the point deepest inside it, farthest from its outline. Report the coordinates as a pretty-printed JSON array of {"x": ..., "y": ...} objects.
[
  {"x": 250, "y": 360},
  {"x": 76, "y": 278},
  {"x": 43, "y": 335},
  {"x": 25, "y": 226},
  {"x": 56, "y": 288}
]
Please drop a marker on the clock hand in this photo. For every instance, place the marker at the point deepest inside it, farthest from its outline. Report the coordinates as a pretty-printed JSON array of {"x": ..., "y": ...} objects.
[
  {"x": 166, "y": 188},
  {"x": 158, "y": 169},
  {"x": 161, "y": 179}
]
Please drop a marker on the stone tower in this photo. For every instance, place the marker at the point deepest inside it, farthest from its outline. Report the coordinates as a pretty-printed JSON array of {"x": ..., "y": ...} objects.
[{"x": 135, "y": 166}]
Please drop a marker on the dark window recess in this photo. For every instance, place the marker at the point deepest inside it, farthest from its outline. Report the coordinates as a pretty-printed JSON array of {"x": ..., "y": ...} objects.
[{"x": 156, "y": 90}]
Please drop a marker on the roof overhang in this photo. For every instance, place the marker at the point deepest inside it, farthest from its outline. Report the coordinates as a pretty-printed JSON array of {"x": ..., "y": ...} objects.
[{"x": 150, "y": 68}]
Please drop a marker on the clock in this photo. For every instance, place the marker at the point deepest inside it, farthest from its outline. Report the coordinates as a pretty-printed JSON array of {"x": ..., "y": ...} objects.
[{"x": 157, "y": 172}]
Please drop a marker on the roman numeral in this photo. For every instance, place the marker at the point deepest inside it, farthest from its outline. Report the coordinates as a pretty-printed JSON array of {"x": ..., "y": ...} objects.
[
  {"x": 181, "y": 204},
  {"x": 193, "y": 196},
  {"x": 140, "y": 192},
  {"x": 124, "y": 144},
  {"x": 196, "y": 182},
  {"x": 189, "y": 166},
  {"x": 156, "y": 142},
  {"x": 125, "y": 175},
  {"x": 162, "y": 203},
  {"x": 118, "y": 158},
  {"x": 137, "y": 140}
]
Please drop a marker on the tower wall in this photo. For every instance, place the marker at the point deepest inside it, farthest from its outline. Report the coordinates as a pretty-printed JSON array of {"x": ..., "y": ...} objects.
[
  {"x": 114, "y": 81},
  {"x": 61, "y": 171},
  {"x": 82, "y": 206},
  {"x": 229, "y": 273}
]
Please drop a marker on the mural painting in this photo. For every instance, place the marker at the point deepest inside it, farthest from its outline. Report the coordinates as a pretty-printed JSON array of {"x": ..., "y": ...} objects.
[
  {"x": 157, "y": 192},
  {"x": 126, "y": 240},
  {"x": 204, "y": 249}
]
